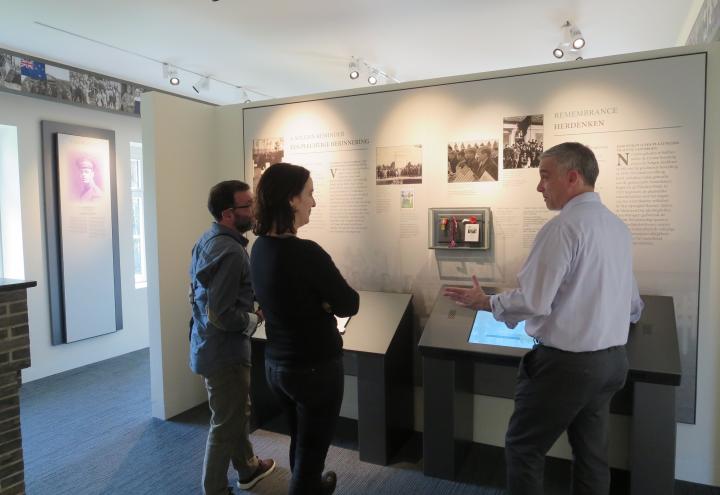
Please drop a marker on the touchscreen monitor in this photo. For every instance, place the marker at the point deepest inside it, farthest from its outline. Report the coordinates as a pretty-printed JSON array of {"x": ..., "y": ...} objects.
[{"x": 487, "y": 330}]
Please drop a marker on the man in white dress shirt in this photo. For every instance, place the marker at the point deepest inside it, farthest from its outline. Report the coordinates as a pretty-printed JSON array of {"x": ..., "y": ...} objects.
[{"x": 577, "y": 295}]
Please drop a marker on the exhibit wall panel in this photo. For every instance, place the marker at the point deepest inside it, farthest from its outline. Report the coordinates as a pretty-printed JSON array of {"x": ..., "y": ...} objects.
[
  {"x": 380, "y": 160},
  {"x": 179, "y": 157},
  {"x": 698, "y": 446},
  {"x": 26, "y": 114}
]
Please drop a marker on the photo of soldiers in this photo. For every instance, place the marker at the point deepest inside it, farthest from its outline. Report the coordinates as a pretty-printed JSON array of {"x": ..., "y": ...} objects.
[
  {"x": 107, "y": 93},
  {"x": 473, "y": 161},
  {"x": 80, "y": 86},
  {"x": 398, "y": 165}
]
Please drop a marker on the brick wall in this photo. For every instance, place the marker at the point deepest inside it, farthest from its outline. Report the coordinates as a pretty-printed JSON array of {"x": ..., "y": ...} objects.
[{"x": 14, "y": 355}]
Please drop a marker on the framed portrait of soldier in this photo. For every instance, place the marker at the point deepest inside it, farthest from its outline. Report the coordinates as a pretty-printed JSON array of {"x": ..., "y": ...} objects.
[{"x": 82, "y": 234}]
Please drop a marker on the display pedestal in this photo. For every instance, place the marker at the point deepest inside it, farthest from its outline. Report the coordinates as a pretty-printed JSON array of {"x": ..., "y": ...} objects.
[
  {"x": 450, "y": 380},
  {"x": 378, "y": 351}
]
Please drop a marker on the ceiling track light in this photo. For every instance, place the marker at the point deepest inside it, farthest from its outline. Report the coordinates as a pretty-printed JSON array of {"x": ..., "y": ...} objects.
[
  {"x": 576, "y": 37},
  {"x": 202, "y": 85},
  {"x": 573, "y": 42},
  {"x": 354, "y": 68},
  {"x": 171, "y": 74},
  {"x": 163, "y": 64},
  {"x": 373, "y": 77},
  {"x": 374, "y": 74},
  {"x": 243, "y": 95}
]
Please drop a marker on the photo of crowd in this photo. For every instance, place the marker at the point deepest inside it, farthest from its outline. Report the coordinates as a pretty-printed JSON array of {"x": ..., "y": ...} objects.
[
  {"x": 473, "y": 161},
  {"x": 398, "y": 165},
  {"x": 37, "y": 78},
  {"x": 522, "y": 141},
  {"x": 90, "y": 90},
  {"x": 265, "y": 152}
]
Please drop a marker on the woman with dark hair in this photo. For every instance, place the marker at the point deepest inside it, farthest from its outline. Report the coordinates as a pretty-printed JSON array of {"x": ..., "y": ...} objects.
[{"x": 300, "y": 289}]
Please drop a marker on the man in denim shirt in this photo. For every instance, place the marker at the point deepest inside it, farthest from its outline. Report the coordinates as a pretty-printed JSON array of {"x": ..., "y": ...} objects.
[{"x": 223, "y": 319}]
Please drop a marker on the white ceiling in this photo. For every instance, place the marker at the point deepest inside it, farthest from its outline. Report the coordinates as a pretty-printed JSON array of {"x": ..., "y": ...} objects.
[{"x": 285, "y": 48}]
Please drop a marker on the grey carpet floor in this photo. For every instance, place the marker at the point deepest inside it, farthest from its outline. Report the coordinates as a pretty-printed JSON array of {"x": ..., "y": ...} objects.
[{"x": 89, "y": 431}]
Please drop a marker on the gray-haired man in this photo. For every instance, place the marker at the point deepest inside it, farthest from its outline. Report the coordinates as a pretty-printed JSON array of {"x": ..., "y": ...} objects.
[{"x": 577, "y": 295}]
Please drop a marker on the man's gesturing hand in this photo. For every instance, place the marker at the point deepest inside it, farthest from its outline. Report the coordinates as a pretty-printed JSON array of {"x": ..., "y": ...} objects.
[{"x": 469, "y": 297}]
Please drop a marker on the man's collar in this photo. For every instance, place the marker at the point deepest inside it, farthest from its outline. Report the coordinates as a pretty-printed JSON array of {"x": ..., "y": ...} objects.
[
  {"x": 586, "y": 197},
  {"x": 221, "y": 229}
]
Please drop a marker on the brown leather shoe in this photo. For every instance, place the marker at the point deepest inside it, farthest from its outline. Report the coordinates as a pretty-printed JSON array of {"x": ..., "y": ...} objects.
[{"x": 265, "y": 467}]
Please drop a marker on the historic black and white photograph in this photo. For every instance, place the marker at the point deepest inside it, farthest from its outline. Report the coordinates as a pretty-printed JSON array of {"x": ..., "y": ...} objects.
[
  {"x": 107, "y": 93},
  {"x": 80, "y": 85},
  {"x": 398, "y": 165},
  {"x": 130, "y": 98},
  {"x": 38, "y": 78},
  {"x": 58, "y": 83},
  {"x": 265, "y": 152},
  {"x": 522, "y": 141},
  {"x": 10, "y": 72},
  {"x": 473, "y": 160}
]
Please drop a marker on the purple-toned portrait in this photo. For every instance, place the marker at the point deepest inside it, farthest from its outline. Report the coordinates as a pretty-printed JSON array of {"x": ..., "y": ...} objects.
[{"x": 83, "y": 164}]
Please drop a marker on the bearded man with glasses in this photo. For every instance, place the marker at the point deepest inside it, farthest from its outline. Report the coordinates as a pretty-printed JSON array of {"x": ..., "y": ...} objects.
[{"x": 223, "y": 320}]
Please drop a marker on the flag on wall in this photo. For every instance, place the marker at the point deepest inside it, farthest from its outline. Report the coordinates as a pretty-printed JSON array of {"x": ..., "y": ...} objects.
[{"x": 30, "y": 68}]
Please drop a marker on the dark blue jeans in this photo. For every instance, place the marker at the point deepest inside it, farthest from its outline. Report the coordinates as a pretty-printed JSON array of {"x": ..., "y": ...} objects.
[{"x": 311, "y": 398}]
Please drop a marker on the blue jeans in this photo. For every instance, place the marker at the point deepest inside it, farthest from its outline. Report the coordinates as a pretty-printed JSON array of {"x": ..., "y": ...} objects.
[
  {"x": 311, "y": 398},
  {"x": 228, "y": 440}
]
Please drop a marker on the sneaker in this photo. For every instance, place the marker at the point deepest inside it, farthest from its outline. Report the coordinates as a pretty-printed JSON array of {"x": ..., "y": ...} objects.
[
  {"x": 328, "y": 482},
  {"x": 265, "y": 467}
]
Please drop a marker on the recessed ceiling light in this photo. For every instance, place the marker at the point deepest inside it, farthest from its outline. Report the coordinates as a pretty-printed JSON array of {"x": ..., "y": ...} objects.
[
  {"x": 354, "y": 69},
  {"x": 373, "y": 77},
  {"x": 171, "y": 74}
]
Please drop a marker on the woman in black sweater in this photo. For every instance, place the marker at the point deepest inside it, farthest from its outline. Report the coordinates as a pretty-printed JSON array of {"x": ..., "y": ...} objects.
[{"x": 300, "y": 290}]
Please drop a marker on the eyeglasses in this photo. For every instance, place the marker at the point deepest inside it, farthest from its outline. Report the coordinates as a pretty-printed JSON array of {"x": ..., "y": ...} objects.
[{"x": 240, "y": 207}]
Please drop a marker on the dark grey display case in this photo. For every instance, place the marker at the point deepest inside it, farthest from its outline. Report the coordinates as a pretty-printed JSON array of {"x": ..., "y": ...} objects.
[{"x": 454, "y": 370}]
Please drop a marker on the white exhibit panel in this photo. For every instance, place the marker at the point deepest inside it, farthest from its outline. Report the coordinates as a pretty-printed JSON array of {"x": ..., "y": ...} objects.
[
  {"x": 81, "y": 222},
  {"x": 87, "y": 236},
  {"x": 379, "y": 161}
]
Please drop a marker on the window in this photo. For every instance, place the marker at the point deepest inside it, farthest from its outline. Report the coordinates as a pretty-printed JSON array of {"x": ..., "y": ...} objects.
[
  {"x": 12, "y": 264},
  {"x": 138, "y": 214}
]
